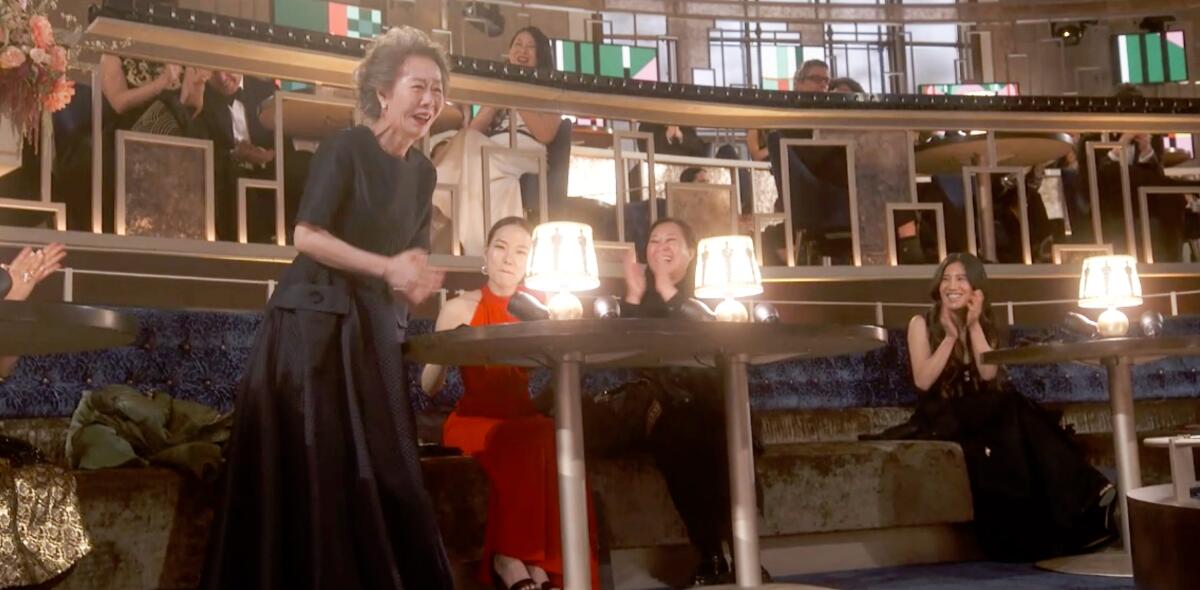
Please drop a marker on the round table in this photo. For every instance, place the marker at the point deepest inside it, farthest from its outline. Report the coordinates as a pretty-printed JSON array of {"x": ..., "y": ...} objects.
[
  {"x": 569, "y": 345},
  {"x": 1118, "y": 355},
  {"x": 948, "y": 154},
  {"x": 33, "y": 327}
]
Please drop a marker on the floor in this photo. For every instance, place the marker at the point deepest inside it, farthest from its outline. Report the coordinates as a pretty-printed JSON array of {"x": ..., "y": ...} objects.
[{"x": 980, "y": 575}]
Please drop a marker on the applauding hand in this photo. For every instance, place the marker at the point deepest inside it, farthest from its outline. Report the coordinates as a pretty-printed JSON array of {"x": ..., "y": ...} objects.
[
  {"x": 408, "y": 272},
  {"x": 30, "y": 267},
  {"x": 635, "y": 278}
]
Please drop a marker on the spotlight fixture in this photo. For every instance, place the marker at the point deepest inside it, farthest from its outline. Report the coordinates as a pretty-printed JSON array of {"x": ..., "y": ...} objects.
[
  {"x": 1069, "y": 33},
  {"x": 486, "y": 17},
  {"x": 1155, "y": 24}
]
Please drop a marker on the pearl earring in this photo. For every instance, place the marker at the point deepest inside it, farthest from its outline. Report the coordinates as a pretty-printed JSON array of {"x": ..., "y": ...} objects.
[{"x": 483, "y": 270}]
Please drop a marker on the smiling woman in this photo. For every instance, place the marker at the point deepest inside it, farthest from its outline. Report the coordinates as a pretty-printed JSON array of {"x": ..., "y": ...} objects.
[
  {"x": 461, "y": 163},
  {"x": 323, "y": 487},
  {"x": 1035, "y": 495},
  {"x": 497, "y": 423}
]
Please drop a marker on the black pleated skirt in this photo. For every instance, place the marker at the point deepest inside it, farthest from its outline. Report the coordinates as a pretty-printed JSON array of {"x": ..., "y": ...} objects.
[{"x": 323, "y": 487}]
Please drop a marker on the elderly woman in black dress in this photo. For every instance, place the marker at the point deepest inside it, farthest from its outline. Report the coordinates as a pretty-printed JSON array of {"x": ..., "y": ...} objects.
[{"x": 323, "y": 485}]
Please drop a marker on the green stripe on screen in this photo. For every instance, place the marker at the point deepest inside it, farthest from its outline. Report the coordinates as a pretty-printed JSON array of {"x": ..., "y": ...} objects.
[
  {"x": 1133, "y": 48},
  {"x": 1154, "y": 59},
  {"x": 303, "y": 14}
]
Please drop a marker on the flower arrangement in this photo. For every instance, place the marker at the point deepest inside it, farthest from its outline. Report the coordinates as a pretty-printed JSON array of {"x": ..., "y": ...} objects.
[{"x": 33, "y": 67}]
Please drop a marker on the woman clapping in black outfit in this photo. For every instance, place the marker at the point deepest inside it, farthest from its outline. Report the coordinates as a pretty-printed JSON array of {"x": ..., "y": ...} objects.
[{"x": 1034, "y": 494}]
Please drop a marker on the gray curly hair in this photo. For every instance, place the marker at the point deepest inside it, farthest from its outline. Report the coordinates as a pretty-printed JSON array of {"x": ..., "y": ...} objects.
[{"x": 377, "y": 71}]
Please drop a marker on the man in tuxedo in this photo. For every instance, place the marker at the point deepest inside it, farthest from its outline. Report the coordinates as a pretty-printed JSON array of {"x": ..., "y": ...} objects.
[{"x": 242, "y": 148}]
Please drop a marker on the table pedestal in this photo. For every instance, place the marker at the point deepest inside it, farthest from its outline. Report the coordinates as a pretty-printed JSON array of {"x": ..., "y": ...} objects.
[
  {"x": 568, "y": 345},
  {"x": 740, "y": 444},
  {"x": 1115, "y": 563},
  {"x": 572, "y": 491}
]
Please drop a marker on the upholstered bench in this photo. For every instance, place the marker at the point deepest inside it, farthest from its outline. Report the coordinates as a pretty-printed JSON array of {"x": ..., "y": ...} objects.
[
  {"x": 824, "y": 492},
  {"x": 896, "y": 501}
]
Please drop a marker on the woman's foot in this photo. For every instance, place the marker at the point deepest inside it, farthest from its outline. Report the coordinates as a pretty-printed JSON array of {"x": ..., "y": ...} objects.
[
  {"x": 540, "y": 576},
  {"x": 511, "y": 574}
]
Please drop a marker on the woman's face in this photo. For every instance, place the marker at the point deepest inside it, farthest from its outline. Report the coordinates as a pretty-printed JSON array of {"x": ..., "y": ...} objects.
[
  {"x": 667, "y": 252},
  {"x": 506, "y": 257},
  {"x": 523, "y": 51},
  {"x": 415, "y": 99},
  {"x": 955, "y": 290}
]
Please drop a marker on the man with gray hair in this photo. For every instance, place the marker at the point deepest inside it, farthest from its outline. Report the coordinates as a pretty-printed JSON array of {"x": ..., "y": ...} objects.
[{"x": 813, "y": 76}]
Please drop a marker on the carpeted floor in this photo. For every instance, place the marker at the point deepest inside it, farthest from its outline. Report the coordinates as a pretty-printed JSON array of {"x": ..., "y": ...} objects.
[{"x": 980, "y": 575}]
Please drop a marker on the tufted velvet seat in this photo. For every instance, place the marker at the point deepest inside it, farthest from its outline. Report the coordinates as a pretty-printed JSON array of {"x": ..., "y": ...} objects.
[{"x": 150, "y": 525}]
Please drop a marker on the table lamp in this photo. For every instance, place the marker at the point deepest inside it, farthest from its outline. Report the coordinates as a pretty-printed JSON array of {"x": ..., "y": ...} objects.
[
  {"x": 1109, "y": 283},
  {"x": 726, "y": 269},
  {"x": 563, "y": 260}
]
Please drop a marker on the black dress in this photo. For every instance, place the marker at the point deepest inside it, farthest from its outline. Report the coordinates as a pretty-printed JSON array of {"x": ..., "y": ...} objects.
[
  {"x": 323, "y": 485},
  {"x": 1034, "y": 493},
  {"x": 684, "y": 431}
]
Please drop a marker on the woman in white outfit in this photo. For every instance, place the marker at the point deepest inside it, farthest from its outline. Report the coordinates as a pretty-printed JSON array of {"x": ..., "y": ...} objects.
[{"x": 461, "y": 164}]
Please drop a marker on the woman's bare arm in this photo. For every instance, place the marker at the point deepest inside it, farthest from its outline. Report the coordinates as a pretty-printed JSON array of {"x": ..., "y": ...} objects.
[
  {"x": 454, "y": 313},
  {"x": 927, "y": 365}
]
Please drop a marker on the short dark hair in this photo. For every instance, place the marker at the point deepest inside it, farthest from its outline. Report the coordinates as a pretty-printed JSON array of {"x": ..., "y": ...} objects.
[
  {"x": 689, "y": 236},
  {"x": 516, "y": 220},
  {"x": 850, "y": 83},
  {"x": 1127, "y": 91},
  {"x": 802, "y": 73},
  {"x": 690, "y": 174}
]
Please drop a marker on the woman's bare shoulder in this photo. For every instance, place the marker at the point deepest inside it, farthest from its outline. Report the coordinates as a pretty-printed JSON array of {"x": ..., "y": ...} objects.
[{"x": 458, "y": 310}]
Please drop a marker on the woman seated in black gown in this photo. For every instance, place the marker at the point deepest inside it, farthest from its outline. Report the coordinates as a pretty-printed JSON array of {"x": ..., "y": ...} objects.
[
  {"x": 323, "y": 485},
  {"x": 1035, "y": 495}
]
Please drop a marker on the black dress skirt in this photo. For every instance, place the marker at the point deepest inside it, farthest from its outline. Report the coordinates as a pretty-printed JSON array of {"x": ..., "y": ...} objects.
[
  {"x": 323, "y": 485},
  {"x": 1034, "y": 493}
]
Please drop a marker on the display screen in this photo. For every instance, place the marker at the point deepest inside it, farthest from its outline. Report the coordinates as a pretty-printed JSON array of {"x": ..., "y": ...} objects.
[
  {"x": 618, "y": 61},
  {"x": 984, "y": 89},
  {"x": 1151, "y": 58}
]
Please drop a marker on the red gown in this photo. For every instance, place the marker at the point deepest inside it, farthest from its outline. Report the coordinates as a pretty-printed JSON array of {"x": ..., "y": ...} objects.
[{"x": 495, "y": 422}]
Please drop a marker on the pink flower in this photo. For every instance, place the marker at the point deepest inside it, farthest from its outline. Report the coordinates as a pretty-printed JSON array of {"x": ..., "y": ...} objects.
[
  {"x": 39, "y": 56},
  {"x": 58, "y": 59},
  {"x": 60, "y": 96},
  {"x": 12, "y": 57},
  {"x": 43, "y": 32}
]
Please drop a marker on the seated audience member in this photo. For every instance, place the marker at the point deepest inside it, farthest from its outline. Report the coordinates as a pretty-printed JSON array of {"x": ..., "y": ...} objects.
[
  {"x": 244, "y": 148},
  {"x": 694, "y": 174},
  {"x": 676, "y": 140},
  {"x": 26, "y": 271},
  {"x": 676, "y": 414},
  {"x": 1143, "y": 161},
  {"x": 846, "y": 86},
  {"x": 813, "y": 76},
  {"x": 1034, "y": 493},
  {"x": 461, "y": 164},
  {"x": 819, "y": 187},
  {"x": 148, "y": 97},
  {"x": 497, "y": 423},
  {"x": 151, "y": 97}
]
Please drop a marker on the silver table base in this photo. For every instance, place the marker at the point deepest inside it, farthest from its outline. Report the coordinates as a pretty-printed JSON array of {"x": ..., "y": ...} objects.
[{"x": 1113, "y": 563}]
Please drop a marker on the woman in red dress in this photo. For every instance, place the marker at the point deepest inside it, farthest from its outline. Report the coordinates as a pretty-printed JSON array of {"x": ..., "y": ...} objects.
[{"x": 496, "y": 423}]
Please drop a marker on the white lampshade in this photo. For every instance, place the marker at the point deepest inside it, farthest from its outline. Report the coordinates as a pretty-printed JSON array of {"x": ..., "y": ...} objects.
[
  {"x": 1109, "y": 282},
  {"x": 727, "y": 268},
  {"x": 563, "y": 258}
]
